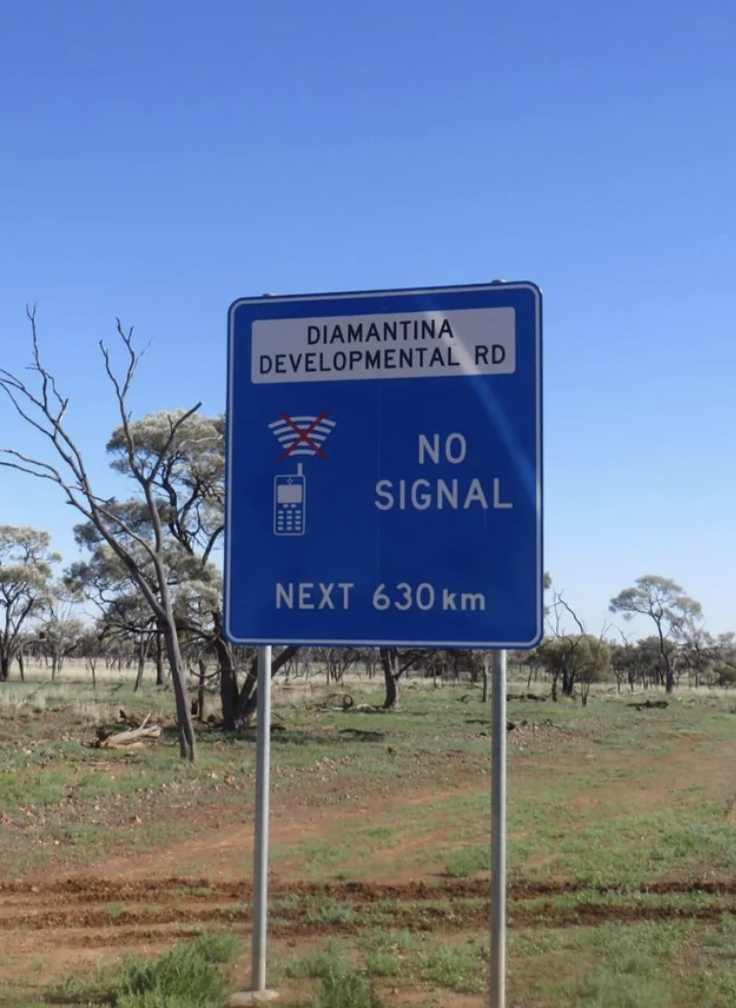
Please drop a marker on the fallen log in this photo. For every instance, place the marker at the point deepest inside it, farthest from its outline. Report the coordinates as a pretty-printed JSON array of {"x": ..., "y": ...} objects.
[
  {"x": 650, "y": 705},
  {"x": 131, "y": 737}
]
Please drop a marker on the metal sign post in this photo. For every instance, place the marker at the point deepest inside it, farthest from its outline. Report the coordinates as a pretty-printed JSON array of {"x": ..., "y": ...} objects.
[
  {"x": 498, "y": 832},
  {"x": 384, "y": 488},
  {"x": 263, "y": 775}
]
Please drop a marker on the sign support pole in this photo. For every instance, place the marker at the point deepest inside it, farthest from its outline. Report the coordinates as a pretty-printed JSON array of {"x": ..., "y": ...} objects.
[
  {"x": 498, "y": 832},
  {"x": 263, "y": 786}
]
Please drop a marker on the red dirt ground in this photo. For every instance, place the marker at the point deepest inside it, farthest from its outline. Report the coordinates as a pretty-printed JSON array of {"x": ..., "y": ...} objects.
[{"x": 71, "y": 920}]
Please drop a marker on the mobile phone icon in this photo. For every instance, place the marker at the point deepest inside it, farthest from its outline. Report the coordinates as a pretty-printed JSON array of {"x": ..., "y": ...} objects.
[{"x": 289, "y": 516}]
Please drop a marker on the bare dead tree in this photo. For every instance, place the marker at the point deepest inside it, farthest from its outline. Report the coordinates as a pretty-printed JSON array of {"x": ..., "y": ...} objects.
[
  {"x": 44, "y": 409},
  {"x": 575, "y": 657}
]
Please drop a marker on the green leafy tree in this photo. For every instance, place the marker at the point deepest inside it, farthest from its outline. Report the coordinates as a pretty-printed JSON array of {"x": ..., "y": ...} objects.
[
  {"x": 26, "y": 571},
  {"x": 189, "y": 496},
  {"x": 190, "y": 500},
  {"x": 673, "y": 613},
  {"x": 123, "y": 612},
  {"x": 698, "y": 651},
  {"x": 60, "y": 637},
  {"x": 724, "y": 660},
  {"x": 575, "y": 661},
  {"x": 625, "y": 661}
]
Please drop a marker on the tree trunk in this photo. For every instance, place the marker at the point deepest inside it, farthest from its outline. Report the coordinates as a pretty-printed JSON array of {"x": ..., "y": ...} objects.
[
  {"x": 4, "y": 667},
  {"x": 187, "y": 745},
  {"x": 228, "y": 681},
  {"x": 665, "y": 669},
  {"x": 248, "y": 696},
  {"x": 391, "y": 675},
  {"x": 160, "y": 676},
  {"x": 568, "y": 682},
  {"x": 21, "y": 666},
  {"x": 144, "y": 646},
  {"x": 485, "y": 677},
  {"x": 201, "y": 694}
]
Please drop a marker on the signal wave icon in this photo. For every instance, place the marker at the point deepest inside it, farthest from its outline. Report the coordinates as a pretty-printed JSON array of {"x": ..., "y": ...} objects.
[{"x": 302, "y": 435}]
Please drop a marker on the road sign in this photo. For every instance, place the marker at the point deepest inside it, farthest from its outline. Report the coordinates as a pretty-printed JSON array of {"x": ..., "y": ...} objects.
[{"x": 384, "y": 468}]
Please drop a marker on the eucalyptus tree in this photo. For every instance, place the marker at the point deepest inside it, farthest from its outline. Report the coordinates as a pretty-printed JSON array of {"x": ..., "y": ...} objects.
[
  {"x": 189, "y": 496},
  {"x": 673, "y": 614},
  {"x": 26, "y": 580}
]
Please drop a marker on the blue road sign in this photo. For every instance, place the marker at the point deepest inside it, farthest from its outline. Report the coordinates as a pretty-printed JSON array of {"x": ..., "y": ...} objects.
[{"x": 384, "y": 468}]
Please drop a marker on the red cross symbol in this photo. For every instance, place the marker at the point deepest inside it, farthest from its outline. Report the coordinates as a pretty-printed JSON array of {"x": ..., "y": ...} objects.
[{"x": 303, "y": 435}]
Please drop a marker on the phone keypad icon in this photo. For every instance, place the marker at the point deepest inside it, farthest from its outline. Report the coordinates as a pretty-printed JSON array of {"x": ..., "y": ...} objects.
[
  {"x": 289, "y": 494},
  {"x": 289, "y": 518}
]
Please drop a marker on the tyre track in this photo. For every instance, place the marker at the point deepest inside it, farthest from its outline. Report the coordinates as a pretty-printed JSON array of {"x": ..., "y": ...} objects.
[{"x": 96, "y": 912}]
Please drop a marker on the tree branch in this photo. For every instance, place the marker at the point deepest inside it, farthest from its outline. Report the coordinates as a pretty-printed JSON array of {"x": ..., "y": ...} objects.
[
  {"x": 558, "y": 598},
  {"x": 172, "y": 434}
]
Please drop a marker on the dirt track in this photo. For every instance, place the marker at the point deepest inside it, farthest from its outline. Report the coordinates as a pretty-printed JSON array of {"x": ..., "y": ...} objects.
[
  {"x": 70, "y": 916},
  {"x": 94, "y": 912}
]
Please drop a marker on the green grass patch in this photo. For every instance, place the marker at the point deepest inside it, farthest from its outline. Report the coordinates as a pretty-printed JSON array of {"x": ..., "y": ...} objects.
[
  {"x": 629, "y": 982},
  {"x": 341, "y": 984},
  {"x": 189, "y": 976},
  {"x": 468, "y": 861},
  {"x": 345, "y": 988}
]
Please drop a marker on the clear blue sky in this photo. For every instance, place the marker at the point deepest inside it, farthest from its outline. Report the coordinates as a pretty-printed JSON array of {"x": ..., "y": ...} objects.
[{"x": 159, "y": 159}]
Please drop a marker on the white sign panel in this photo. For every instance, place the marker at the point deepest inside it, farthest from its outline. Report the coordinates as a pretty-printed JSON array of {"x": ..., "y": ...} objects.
[{"x": 408, "y": 345}]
